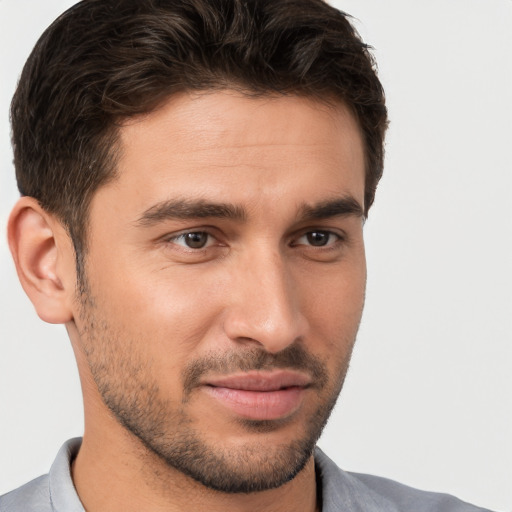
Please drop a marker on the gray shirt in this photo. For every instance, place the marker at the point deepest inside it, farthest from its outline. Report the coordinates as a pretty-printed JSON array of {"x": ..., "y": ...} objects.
[{"x": 341, "y": 491}]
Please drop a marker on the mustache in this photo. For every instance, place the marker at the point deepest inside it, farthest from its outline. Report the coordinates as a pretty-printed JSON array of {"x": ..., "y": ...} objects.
[{"x": 294, "y": 357}]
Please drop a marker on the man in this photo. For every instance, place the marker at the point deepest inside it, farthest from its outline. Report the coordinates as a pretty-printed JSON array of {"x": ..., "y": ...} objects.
[{"x": 195, "y": 177}]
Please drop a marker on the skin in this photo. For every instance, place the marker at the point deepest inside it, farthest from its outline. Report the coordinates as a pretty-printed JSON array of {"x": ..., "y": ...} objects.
[{"x": 260, "y": 289}]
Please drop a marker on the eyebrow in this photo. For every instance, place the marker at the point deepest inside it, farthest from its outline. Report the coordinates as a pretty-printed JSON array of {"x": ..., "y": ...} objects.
[
  {"x": 190, "y": 209},
  {"x": 338, "y": 207},
  {"x": 199, "y": 209}
]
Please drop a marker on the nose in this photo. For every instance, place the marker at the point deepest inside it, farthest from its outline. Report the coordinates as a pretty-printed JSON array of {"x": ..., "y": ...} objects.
[{"x": 264, "y": 303}]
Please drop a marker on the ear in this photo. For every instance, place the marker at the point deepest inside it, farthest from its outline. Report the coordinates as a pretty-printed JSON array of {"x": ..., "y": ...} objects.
[{"x": 44, "y": 259}]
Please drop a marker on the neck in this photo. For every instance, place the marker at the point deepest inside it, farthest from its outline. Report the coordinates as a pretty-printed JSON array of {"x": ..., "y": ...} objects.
[
  {"x": 109, "y": 474},
  {"x": 114, "y": 471}
]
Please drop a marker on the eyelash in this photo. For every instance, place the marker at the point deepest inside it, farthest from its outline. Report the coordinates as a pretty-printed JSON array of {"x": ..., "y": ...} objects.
[
  {"x": 328, "y": 245},
  {"x": 330, "y": 234},
  {"x": 182, "y": 236}
]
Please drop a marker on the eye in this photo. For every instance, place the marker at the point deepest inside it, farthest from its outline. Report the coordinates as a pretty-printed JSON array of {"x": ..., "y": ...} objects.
[
  {"x": 193, "y": 239},
  {"x": 318, "y": 238}
]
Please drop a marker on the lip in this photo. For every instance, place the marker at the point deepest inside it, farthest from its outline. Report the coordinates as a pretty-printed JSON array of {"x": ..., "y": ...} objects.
[{"x": 260, "y": 395}]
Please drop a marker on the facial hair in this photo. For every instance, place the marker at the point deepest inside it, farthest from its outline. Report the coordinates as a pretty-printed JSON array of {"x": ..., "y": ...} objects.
[{"x": 164, "y": 426}]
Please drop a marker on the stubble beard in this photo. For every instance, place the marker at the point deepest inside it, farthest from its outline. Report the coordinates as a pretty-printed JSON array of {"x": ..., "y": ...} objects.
[{"x": 128, "y": 388}]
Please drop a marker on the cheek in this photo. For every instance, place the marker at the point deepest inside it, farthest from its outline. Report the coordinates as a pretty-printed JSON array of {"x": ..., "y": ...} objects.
[
  {"x": 170, "y": 310},
  {"x": 334, "y": 307}
]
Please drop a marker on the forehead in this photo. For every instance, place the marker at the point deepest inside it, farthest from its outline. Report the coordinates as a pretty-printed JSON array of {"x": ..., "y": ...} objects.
[
  {"x": 220, "y": 143},
  {"x": 208, "y": 120}
]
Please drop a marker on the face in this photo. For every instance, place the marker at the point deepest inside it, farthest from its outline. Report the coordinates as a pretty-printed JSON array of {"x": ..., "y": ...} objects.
[{"x": 225, "y": 282}]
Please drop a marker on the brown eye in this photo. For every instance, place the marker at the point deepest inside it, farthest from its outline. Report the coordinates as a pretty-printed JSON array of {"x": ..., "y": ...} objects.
[
  {"x": 192, "y": 239},
  {"x": 319, "y": 238},
  {"x": 196, "y": 240}
]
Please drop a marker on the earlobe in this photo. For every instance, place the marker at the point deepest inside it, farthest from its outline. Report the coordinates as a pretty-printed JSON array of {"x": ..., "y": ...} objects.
[{"x": 41, "y": 254}]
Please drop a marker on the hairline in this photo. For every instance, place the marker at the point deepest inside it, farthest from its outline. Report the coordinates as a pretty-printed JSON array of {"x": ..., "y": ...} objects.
[{"x": 115, "y": 150}]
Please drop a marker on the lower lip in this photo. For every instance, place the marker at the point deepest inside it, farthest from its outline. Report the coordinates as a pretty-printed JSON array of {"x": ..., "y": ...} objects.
[{"x": 259, "y": 405}]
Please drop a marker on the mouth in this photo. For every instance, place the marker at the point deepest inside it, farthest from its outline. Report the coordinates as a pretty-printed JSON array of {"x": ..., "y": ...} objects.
[{"x": 259, "y": 395}]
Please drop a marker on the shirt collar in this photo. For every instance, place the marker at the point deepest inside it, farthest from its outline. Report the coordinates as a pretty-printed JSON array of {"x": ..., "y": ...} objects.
[
  {"x": 339, "y": 490},
  {"x": 63, "y": 495}
]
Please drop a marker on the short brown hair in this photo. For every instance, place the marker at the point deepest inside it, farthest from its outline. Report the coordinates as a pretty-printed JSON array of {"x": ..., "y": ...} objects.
[{"x": 103, "y": 61}]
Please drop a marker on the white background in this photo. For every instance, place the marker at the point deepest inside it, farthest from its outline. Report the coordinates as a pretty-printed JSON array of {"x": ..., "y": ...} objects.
[{"x": 429, "y": 397}]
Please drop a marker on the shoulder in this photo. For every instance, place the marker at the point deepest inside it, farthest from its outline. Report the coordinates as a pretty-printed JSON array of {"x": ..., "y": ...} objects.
[
  {"x": 33, "y": 496},
  {"x": 356, "y": 492},
  {"x": 406, "y": 498},
  {"x": 48, "y": 493}
]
